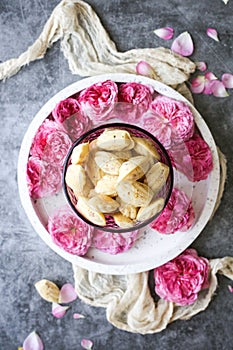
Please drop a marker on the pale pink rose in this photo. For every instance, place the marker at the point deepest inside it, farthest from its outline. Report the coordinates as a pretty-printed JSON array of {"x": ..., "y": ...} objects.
[
  {"x": 157, "y": 126},
  {"x": 65, "y": 109},
  {"x": 67, "y": 113},
  {"x": 178, "y": 215},
  {"x": 181, "y": 279},
  {"x": 43, "y": 179},
  {"x": 50, "y": 143},
  {"x": 98, "y": 100},
  {"x": 114, "y": 243},
  {"x": 69, "y": 232},
  {"x": 199, "y": 159},
  {"x": 58, "y": 145},
  {"x": 77, "y": 125},
  {"x": 40, "y": 138},
  {"x": 178, "y": 115},
  {"x": 139, "y": 95}
]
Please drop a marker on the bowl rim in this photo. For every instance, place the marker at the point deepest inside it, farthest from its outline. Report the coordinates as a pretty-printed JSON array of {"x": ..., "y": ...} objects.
[{"x": 120, "y": 125}]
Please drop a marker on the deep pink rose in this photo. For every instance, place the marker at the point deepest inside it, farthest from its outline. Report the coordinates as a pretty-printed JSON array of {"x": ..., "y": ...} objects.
[
  {"x": 176, "y": 115},
  {"x": 98, "y": 100},
  {"x": 114, "y": 243},
  {"x": 157, "y": 126},
  {"x": 50, "y": 143},
  {"x": 193, "y": 158},
  {"x": 65, "y": 109},
  {"x": 43, "y": 179},
  {"x": 139, "y": 95},
  {"x": 178, "y": 215},
  {"x": 181, "y": 279},
  {"x": 69, "y": 232},
  {"x": 67, "y": 113}
]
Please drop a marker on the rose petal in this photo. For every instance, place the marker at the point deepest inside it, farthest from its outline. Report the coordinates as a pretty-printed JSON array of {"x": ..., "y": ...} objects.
[
  {"x": 183, "y": 44},
  {"x": 218, "y": 89},
  {"x": 59, "y": 311},
  {"x": 212, "y": 33},
  {"x": 78, "y": 316},
  {"x": 198, "y": 84},
  {"x": 225, "y": 1},
  {"x": 33, "y": 342},
  {"x": 165, "y": 33},
  {"x": 227, "y": 80},
  {"x": 87, "y": 344},
  {"x": 230, "y": 289},
  {"x": 210, "y": 76},
  {"x": 67, "y": 294},
  {"x": 201, "y": 66},
  {"x": 208, "y": 87},
  {"x": 144, "y": 68}
]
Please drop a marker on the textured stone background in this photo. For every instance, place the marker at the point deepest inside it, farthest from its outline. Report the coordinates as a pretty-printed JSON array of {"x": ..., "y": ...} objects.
[{"x": 24, "y": 257}]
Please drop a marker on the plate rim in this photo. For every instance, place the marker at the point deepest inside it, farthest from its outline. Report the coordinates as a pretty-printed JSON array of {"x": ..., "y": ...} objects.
[{"x": 41, "y": 115}]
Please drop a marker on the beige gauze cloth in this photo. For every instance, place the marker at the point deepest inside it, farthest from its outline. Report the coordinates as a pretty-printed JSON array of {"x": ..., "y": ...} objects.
[{"x": 89, "y": 51}]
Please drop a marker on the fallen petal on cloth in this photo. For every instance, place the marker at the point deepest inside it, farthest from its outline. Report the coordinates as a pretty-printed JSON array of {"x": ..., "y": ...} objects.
[
  {"x": 90, "y": 51},
  {"x": 129, "y": 304}
]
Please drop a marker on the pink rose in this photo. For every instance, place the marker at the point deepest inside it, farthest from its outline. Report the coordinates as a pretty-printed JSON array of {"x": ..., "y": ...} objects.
[
  {"x": 50, "y": 143},
  {"x": 69, "y": 232},
  {"x": 178, "y": 215},
  {"x": 176, "y": 115},
  {"x": 157, "y": 126},
  {"x": 114, "y": 243},
  {"x": 194, "y": 158},
  {"x": 65, "y": 109},
  {"x": 43, "y": 179},
  {"x": 98, "y": 100},
  {"x": 139, "y": 95},
  {"x": 67, "y": 113},
  {"x": 181, "y": 279}
]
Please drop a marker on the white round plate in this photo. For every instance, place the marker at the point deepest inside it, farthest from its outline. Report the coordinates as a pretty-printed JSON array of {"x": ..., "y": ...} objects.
[{"x": 151, "y": 249}]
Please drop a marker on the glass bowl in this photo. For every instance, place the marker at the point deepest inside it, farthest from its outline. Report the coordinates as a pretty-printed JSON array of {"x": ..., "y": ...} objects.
[{"x": 112, "y": 222}]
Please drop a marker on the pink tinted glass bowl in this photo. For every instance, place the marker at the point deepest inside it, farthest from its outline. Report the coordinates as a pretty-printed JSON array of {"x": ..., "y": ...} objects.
[{"x": 91, "y": 135}]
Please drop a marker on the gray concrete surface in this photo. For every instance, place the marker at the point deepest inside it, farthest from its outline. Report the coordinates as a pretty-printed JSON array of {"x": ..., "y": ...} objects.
[{"x": 24, "y": 257}]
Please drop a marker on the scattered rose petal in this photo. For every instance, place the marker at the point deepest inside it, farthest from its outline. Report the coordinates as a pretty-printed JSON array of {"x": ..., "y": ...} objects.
[
  {"x": 145, "y": 69},
  {"x": 210, "y": 76},
  {"x": 198, "y": 84},
  {"x": 225, "y": 1},
  {"x": 67, "y": 294},
  {"x": 201, "y": 66},
  {"x": 230, "y": 289},
  {"x": 87, "y": 344},
  {"x": 165, "y": 33},
  {"x": 227, "y": 80},
  {"x": 183, "y": 44},
  {"x": 78, "y": 316},
  {"x": 33, "y": 342},
  {"x": 59, "y": 311},
  {"x": 212, "y": 33},
  {"x": 218, "y": 89},
  {"x": 208, "y": 87}
]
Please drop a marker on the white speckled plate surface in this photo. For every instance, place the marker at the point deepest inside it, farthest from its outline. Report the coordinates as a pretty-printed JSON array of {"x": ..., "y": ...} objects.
[{"x": 151, "y": 249}]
